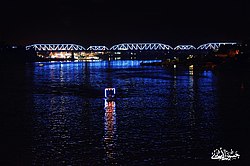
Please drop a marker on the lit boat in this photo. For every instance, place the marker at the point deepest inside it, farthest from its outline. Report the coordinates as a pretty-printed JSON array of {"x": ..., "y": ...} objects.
[{"x": 110, "y": 94}]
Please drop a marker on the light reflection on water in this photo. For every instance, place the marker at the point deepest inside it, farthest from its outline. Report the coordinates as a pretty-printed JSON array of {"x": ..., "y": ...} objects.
[
  {"x": 160, "y": 114},
  {"x": 110, "y": 132}
]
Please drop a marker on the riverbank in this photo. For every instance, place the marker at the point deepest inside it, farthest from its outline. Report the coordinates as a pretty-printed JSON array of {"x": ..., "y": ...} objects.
[{"x": 207, "y": 63}]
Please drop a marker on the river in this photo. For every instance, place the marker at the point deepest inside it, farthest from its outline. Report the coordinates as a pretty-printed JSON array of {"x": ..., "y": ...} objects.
[{"x": 52, "y": 113}]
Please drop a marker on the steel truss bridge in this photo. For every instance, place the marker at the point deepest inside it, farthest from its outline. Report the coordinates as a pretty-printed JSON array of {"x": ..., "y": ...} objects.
[{"x": 125, "y": 47}]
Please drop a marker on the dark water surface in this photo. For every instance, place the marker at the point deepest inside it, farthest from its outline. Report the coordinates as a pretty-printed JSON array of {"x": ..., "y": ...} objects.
[{"x": 53, "y": 114}]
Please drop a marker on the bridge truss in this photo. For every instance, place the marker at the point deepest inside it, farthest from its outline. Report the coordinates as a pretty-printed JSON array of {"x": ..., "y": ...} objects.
[
  {"x": 213, "y": 46},
  {"x": 97, "y": 48},
  {"x": 141, "y": 46},
  {"x": 126, "y": 47},
  {"x": 184, "y": 47},
  {"x": 55, "y": 47}
]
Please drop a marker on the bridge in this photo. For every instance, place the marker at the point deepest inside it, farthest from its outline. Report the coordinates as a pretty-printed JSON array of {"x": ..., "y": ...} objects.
[
  {"x": 126, "y": 47},
  {"x": 121, "y": 51}
]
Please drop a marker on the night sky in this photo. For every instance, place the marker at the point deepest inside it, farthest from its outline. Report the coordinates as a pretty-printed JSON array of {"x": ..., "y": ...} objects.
[{"x": 109, "y": 22}]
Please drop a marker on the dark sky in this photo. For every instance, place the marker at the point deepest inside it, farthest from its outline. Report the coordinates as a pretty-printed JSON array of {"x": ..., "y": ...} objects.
[{"x": 109, "y": 22}]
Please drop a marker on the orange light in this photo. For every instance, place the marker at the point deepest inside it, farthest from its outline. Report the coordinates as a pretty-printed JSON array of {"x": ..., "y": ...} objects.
[{"x": 237, "y": 51}]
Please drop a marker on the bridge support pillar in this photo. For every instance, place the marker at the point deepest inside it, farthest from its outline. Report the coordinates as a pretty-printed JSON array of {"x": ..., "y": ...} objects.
[{"x": 72, "y": 55}]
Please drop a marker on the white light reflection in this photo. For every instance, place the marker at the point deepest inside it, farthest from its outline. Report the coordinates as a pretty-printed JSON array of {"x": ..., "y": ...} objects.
[
  {"x": 191, "y": 70},
  {"x": 191, "y": 92},
  {"x": 110, "y": 129},
  {"x": 174, "y": 99}
]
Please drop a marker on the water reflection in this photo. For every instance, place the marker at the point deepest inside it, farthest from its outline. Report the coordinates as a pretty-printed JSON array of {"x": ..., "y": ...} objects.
[
  {"x": 110, "y": 130},
  {"x": 191, "y": 95},
  {"x": 174, "y": 89},
  {"x": 191, "y": 70},
  {"x": 52, "y": 131},
  {"x": 161, "y": 112}
]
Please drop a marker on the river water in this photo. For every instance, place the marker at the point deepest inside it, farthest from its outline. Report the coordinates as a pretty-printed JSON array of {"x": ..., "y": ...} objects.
[{"x": 52, "y": 113}]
